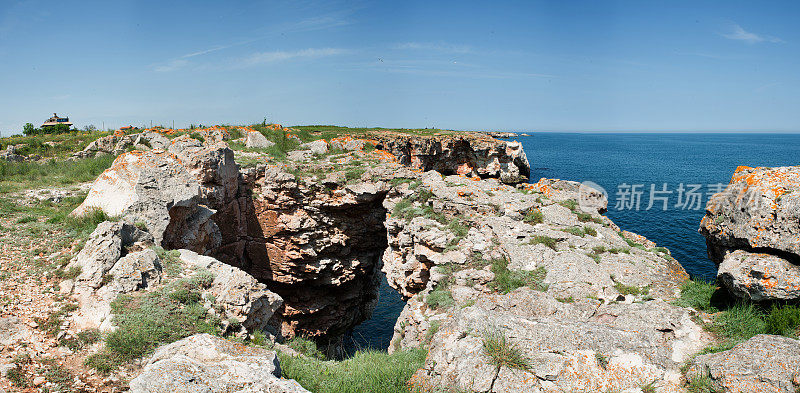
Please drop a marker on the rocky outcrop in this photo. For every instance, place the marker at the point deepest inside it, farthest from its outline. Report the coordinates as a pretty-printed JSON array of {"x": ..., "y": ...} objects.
[
  {"x": 257, "y": 140},
  {"x": 585, "y": 307},
  {"x": 204, "y": 363},
  {"x": 171, "y": 192},
  {"x": 751, "y": 231},
  {"x": 316, "y": 240},
  {"x": 115, "y": 260},
  {"x": 471, "y": 154},
  {"x": 237, "y": 296},
  {"x": 763, "y": 363},
  {"x": 120, "y": 142}
]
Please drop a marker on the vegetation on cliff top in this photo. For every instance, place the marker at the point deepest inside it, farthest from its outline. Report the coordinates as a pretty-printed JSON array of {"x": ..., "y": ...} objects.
[{"x": 366, "y": 371}]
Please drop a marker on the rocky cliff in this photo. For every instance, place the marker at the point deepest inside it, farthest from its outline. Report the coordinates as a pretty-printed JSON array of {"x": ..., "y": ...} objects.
[
  {"x": 311, "y": 228},
  {"x": 551, "y": 279},
  {"x": 752, "y": 231}
]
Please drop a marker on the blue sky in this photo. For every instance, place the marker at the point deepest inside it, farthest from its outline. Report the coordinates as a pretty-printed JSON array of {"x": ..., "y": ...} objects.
[{"x": 528, "y": 65}]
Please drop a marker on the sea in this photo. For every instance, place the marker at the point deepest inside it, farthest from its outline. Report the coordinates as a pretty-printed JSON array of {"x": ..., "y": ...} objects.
[{"x": 657, "y": 186}]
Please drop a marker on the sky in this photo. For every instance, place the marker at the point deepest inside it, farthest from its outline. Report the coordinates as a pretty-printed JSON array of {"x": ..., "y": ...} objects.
[{"x": 677, "y": 66}]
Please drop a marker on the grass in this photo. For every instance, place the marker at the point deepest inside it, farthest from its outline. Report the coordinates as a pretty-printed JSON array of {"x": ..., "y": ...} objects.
[
  {"x": 534, "y": 216},
  {"x": 783, "y": 320},
  {"x": 441, "y": 297},
  {"x": 146, "y": 321},
  {"x": 586, "y": 217},
  {"x": 570, "y": 204},
  {"x": 506, "y": 280},
  {"x": 366, "y": 371},
  {"x": 631, "y": 289},
  {"x": 581, "y": 232},
  {"x": 739, "y": 323},
  {"x": 700, "y": 384},
  {"x": 502, "y": 352},
  {"x": 697, "y": 294},
  {"x": 306, "y": 347},
  {"x": 16, "y": 176},
  {"x": 546, "y": 240},
  {"x": 81, "y": 340}
]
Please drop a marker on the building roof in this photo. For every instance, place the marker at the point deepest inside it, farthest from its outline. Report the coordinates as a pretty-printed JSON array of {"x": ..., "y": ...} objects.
[{"x": 55, "y": 120}]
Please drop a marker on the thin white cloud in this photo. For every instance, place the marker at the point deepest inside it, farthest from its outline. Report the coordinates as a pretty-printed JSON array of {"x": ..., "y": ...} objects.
[
  {"x": 740, "y": 34},
  {"x": 318, "y": 23},
  {"x": 277, "y": 56},
  {"x": 438, "y": 47},
  {"x": 172, "y": 65}
]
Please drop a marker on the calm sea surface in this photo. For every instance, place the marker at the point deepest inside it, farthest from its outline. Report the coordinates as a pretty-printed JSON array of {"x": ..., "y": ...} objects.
[{"x": 629, "y": 167}]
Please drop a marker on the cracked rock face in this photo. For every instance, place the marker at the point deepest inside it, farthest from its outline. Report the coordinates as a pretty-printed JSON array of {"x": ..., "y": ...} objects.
[
  {"x": 594, "y": 315},
  {"x": 170, "y": 191},
  {"x": 763, "y": 363},
  {"x": 752, "y": 229},
  {"x": 470, "y": 154},
  {"x": 204, "y": 363}
]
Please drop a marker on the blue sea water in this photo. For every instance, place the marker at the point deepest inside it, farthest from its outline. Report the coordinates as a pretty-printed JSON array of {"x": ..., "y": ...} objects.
[{"x": 664, "y": 161}]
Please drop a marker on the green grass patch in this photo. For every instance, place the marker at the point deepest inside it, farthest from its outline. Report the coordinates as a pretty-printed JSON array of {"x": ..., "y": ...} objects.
[
  {"x": 534, "y": 216},
  {"x": 506, "y": 280},
  {"x": 146, "y": 321},
  {"x": 697, "y": 294},
  {"x": 16, "y": 176},
  {"x": 546, "y": 240},
  {"x": 366, "y": 371},
  {"x": 502, "y": 352}
]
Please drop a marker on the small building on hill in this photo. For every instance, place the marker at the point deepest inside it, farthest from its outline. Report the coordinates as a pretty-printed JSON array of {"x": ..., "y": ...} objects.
[{"x": 55, "y": 120}]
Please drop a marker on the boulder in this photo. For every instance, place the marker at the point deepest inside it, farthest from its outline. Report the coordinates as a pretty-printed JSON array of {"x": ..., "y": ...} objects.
[
  {"x": 317, "y": 147},
  {"x": 758, "y": 213},
  {"x": 237, "y": 295},
  {"x": 204, "y": 363},
  {"x": 760, "y": 276},
  {"x": 170, "y": 192},
  {"x": 114, "y": 261},
  {"x": 763, "y": 363},
  {"x": 103, "y": 249},
  {"x": 567, "y": 347},
  {"x": 257, "y": 140}
]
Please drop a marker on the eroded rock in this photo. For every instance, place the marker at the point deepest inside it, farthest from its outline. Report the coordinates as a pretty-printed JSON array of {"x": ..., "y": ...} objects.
[
  {"x": 758, "y": 214},
  {"x": 204, "y": 363},
  {"x": 763, "y": 363}
]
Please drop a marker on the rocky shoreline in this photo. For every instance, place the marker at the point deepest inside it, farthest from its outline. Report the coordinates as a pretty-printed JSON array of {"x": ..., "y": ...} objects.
[{"x": 509, "y": 286}]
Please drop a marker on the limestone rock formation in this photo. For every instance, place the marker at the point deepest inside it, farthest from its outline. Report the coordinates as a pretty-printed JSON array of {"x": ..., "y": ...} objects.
[
  {"x": 204, "y": 363},
  {"x": 169, "y": 192},
  {"x": 119, "y": 143},
  {"x": 763, "y": 363},
  {"x": 257, "y": 140},
  {"x": 114, "y": 260},
  {"x": 237, "y": 295},
  {"x": 470, "y": 154},
  {"x": 751, "y": 230},
  {"x": 593, "y": 311}
]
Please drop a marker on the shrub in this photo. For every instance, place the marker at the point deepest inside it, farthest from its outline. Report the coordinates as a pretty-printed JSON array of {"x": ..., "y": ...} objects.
[
  {"x": 439, "y": 298},
  {"x": 366, "y": 371},
  {"x": 306, "y": 347},
  {"x": 589, "y": 231},
  {"x": 570, "y": 204}
]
